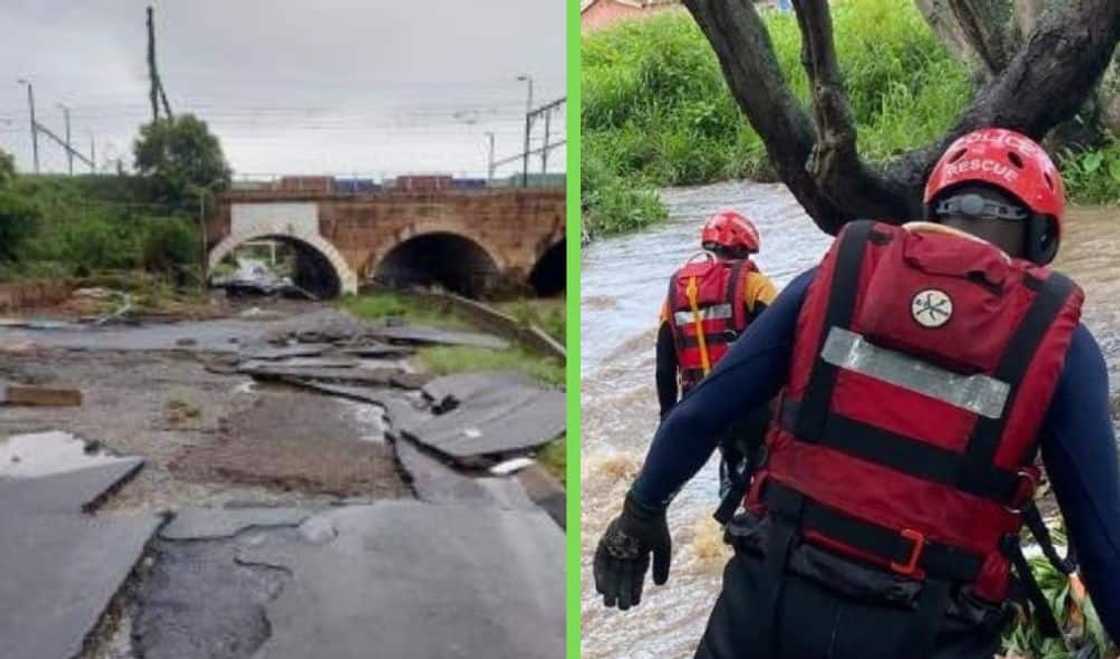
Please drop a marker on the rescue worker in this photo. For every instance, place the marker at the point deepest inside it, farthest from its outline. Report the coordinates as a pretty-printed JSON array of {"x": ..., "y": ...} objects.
[
  {"x": 711, "y": 301},
  {"x": 921, "y": 370}
]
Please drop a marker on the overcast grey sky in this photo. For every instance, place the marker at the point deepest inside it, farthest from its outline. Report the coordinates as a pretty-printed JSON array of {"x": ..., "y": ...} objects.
[{"x": 290, "y": 86}]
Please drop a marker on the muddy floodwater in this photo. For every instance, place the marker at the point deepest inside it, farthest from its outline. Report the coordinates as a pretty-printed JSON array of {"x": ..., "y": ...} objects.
[{"x": 623, "y": 285}]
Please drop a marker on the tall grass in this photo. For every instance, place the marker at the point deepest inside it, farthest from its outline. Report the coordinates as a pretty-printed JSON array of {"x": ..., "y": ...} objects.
[{"x": 657, "y": 111}]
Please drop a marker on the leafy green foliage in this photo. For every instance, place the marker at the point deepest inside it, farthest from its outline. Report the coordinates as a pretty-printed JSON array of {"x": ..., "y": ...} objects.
[
  {"x": 1092, "y": 176},
  {"x": 182, "y": 157},
  {"x": 1079, "y": 620}
]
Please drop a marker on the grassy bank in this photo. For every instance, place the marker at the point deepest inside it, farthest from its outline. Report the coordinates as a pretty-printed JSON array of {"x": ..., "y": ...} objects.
[
  {"x": 444, "y": 360},
  {"x": 657, "y": 112}
]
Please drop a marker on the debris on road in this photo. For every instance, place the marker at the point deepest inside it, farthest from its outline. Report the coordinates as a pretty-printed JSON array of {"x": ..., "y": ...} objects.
[{"x": 29, "y": 395}]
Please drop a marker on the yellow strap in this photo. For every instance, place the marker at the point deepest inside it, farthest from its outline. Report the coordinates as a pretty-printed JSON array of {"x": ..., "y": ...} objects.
[{"x": 692, "y": 292}]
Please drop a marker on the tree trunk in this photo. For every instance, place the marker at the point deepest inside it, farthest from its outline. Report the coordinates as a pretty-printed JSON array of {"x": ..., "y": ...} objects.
[{"x": 1036, "y": 87}]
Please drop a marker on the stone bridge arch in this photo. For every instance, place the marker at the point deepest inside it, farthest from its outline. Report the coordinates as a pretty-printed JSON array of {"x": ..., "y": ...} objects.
[
  {"x": 440, "y": 252},
  {"x": 549, "y": 274},
  {"x": 302, "y": 237}
]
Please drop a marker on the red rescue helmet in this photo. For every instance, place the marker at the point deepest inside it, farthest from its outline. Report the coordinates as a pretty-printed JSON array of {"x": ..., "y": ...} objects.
[
  {"x": 1014, "y": 164},
  {"x": 728, "y": 232}
]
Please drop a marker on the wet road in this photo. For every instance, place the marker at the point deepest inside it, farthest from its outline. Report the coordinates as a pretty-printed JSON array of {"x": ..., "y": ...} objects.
[{"x": 623, "y": 284}]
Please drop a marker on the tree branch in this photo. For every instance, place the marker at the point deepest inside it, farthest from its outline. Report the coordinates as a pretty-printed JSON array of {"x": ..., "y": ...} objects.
[
  {"x": 746, "y": 55},
  {"x": 1043, "y": 85}
]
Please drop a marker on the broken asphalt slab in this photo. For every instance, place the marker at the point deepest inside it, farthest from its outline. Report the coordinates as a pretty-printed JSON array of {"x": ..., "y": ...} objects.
[
  {"x": 434, "y": 336},
  {"x": 496, "y": 417},
  {"x": 215, "y": 523},
  {"x": 198, "y": 336},
  {"x": 414, "y": 579},
  {"x": 60, "y": 572},
  {"x": 435, "y": 482},
  {"x": 61, "y": 568},
  {"x": 74, "y": 491}
]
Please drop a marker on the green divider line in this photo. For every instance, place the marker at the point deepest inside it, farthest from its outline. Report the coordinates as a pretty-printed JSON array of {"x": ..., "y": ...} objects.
[{"x": 573, "y": 324}]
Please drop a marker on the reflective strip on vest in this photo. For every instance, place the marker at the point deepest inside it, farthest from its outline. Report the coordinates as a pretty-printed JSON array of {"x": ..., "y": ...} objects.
[
  {"x": 715, "y": 312},
  {"x": 980, "y": 394}
]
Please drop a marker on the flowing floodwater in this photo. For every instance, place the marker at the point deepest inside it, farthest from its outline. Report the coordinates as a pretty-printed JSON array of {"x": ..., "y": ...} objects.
[{"x": 623, "y": 284}]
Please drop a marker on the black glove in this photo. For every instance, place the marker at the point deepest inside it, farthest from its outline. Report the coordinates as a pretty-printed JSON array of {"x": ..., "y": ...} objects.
[{"x": 622, "y": 557}]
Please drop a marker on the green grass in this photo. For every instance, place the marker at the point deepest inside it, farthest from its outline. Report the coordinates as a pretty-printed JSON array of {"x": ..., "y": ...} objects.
[
  {"x": 657, "y": 111},
  {"x": 553, "y": 457},
  {"x": 380, "y": 305},
  {"x": 549, "y": 314},
  {"x": 444, "y": 360}
]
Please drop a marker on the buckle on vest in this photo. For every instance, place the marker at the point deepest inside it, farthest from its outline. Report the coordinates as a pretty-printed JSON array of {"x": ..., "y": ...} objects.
[
  {"x": 1024, "y": 491},
  {"x": 911, "y": 564}
]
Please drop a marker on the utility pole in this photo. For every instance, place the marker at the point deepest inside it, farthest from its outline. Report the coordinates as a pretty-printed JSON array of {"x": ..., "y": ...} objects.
[
  {"x": 69, "y": 149},
  {"x": 528, "y": 129},
  {"x": 490, "y": 159},
  {"x": 34, "y": 132},
  {"x": 156, "y": 92}
]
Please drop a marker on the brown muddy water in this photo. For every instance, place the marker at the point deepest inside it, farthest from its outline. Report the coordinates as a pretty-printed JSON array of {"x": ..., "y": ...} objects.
[{"x": 623, "y": 285}]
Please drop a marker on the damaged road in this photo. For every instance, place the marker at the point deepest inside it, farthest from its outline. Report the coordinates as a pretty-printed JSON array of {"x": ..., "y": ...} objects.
[{"x": 246, "y": 487}]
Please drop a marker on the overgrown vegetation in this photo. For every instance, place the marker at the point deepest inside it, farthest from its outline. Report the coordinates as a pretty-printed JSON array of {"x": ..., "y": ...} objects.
[
  {"x": 55, "y": 227},
  {"x": 657, "y": 111}
]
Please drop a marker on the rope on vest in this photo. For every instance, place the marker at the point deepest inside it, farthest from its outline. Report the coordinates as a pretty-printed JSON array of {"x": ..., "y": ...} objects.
[{"x": 692, "y": 292}]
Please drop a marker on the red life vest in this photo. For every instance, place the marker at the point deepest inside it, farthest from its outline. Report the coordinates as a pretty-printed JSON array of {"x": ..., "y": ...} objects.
[
  {"x": 922, "y": 367},
  {"x": 706, "y": 313}
]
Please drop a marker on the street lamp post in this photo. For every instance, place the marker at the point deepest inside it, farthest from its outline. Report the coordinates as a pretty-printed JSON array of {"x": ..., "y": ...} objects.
[
  {"x": 34, "y": 131},
  {"x": 528, "y": 128},
  {"x": 490, "y": 159}
]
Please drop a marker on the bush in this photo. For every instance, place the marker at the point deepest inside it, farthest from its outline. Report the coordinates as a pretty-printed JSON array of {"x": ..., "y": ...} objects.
[
  {"x": 18, "y": 222},
  {"x": 168, "y": 242}
]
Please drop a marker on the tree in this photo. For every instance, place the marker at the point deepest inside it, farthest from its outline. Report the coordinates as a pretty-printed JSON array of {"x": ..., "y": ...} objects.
[
  {"x": 1043, "y": 84},
  {"x": 180, "y": 155}
]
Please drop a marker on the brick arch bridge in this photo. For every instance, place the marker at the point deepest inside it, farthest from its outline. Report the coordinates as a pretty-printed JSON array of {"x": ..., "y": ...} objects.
[{"x": 471, "y": 241}]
